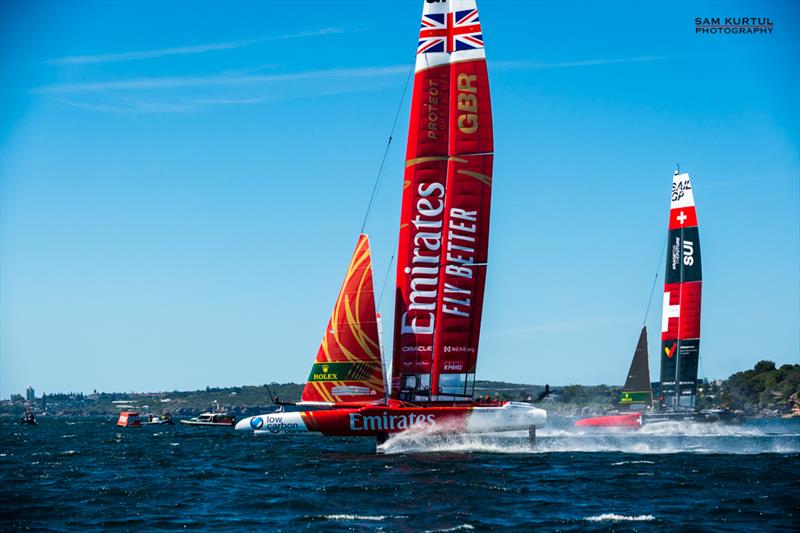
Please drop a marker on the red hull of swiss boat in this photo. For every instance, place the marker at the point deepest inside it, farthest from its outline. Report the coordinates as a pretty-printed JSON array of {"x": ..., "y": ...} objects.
[{"x": 626, "y": 421}]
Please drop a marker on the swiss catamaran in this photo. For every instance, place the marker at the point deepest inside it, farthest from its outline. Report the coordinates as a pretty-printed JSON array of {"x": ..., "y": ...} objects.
[
  {"x": 441, "y": 268},
  {"x": 636, "y": 395},
  {"x": 680, "y": 331}
]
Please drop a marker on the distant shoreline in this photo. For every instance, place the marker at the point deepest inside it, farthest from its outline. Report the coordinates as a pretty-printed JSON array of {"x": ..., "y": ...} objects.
[{"x": 763, "y": 392}]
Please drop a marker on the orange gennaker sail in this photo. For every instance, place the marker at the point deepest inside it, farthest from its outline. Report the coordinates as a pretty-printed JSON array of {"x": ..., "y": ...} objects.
[{"x": 348, "y": 367}]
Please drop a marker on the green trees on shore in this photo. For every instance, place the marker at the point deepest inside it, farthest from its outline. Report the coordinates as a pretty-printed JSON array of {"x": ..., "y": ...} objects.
[
  {"x": 764, "y": 388},
  {"x": 762, "y": 391}
]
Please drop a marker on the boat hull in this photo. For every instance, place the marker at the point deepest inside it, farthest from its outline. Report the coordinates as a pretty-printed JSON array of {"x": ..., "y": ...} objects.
[
  {"x": 623, "y": 421},
  {"x": 703, "y": 416},
  {"x": 380, "y": 420},
  {"x": 129, "y": 419},
  {"x": 637, "y": 420},
  {"x": 196, "y": 423}
]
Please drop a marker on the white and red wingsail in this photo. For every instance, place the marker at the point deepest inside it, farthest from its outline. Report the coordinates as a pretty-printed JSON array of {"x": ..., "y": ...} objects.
[
  {"x": 680, "y": 319},
  {"x": 348, "y": 367},
  {"x": 444, "y": 224},
  {"x": 680, "y": 325}
]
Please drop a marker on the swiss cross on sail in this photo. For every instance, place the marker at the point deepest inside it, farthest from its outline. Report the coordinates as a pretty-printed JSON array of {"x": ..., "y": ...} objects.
[{"x": 448, "y": 32}]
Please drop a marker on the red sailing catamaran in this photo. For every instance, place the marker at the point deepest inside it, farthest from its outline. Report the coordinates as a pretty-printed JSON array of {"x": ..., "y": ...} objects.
[
  {"x": 441, "y": 268},
  {"x": 680, "y": 332}
]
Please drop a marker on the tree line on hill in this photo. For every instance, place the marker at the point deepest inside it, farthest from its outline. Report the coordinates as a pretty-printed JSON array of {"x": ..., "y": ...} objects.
[{"x": 765, "y": 390}]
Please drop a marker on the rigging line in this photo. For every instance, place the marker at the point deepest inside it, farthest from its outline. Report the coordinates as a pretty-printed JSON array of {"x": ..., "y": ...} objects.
[
  {"x": 385, "y": 279},
  {"x": 386, "y": 151},
  {"x": 655, "y": 279}
]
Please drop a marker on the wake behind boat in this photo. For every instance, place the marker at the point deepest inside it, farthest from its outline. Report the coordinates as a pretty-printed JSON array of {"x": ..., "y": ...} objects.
[{"x": 441, "y": 268}]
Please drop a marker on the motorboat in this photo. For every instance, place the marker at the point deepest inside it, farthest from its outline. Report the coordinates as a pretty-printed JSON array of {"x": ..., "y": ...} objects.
[
  {"x": 211, "y": 419},
  {"x": 28, "y": 419},
  {"x": 153, "y": 419}
]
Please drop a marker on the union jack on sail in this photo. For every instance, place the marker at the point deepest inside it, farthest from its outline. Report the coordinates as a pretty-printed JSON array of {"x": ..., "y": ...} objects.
[{"x": 450, "y": 32}]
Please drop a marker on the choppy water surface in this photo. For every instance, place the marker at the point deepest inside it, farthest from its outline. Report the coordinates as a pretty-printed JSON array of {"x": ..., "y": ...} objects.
[{"x": 85, "y": 474}]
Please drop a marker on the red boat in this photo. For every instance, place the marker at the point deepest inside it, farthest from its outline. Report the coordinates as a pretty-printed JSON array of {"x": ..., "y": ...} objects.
[
  {"x": 129, "y": 419},
  {"x": 636, "y": 395},
  {"x": 441, "y": 267},
  {"x": 381, "y": 420},
  {"x": 624, "y": 421},
  {"x": 345, "y": 394}
]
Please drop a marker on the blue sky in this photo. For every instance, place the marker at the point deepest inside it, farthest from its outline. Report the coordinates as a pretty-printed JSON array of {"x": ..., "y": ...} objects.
[{"x": 181, "y": 185}]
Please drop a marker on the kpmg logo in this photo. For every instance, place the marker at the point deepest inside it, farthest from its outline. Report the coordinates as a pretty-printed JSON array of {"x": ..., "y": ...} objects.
[
  {"x": 733, "y": 25},
  {"x": 453, "y": 365}
]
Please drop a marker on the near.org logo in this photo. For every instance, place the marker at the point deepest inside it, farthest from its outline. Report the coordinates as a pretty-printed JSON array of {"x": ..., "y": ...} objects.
[{"x": 733, "y": 25}]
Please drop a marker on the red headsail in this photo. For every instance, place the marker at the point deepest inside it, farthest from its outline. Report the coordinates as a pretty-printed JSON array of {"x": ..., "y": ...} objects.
[
  {"x": 444, "y": 224},
  {"x": 348, "y": 367}
]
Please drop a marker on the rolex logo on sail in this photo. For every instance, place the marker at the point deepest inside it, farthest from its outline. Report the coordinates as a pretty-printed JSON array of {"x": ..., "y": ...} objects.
[{"x": 329, "y": 371}]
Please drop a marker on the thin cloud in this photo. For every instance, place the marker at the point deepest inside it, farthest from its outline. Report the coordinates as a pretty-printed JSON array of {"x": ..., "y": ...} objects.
[
  {"x": 215, "y": 80},
  {"x": 186, "y": 94},
  {"x": 127, "y": 107},
  {"x": 233, "y": 101},
  {"x": 283, "y": 97},
  {"x": 185, "y": 50},
  {"x": 532, "y": 65}
]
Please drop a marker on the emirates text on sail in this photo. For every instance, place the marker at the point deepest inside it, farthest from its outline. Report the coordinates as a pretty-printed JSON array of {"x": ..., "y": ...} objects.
[{"x": 424, "y": 272}]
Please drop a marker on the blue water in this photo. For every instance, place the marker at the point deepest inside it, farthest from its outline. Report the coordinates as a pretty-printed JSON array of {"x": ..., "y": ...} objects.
[{"x": 87, "y": 474}]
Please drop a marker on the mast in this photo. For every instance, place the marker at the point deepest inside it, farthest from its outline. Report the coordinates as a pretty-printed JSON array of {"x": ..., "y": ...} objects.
[
  {"x": 444, "y": 224},
  {"x": 383, "y": 356},
  {"x": 680, "y": 319}
]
